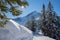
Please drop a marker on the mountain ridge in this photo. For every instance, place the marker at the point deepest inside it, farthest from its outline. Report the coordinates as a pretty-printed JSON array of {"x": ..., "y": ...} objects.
[{"x": 23, "y": 20}]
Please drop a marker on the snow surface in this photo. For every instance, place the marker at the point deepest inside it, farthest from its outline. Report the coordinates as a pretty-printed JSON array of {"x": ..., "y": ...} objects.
[
  {"x": 14, "y": 31},
  {"x": 42, "y": 38}
]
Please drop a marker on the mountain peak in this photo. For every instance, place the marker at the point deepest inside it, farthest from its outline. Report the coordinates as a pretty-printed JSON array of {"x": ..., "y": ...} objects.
[{"x": 33, "y": 13}]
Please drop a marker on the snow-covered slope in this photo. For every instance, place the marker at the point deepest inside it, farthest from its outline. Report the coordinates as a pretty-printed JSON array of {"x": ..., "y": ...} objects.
[
  {"x": 14, "y": 31},
  {"x": 23, "y": 20},
  {"x": 42, "y": 38}
]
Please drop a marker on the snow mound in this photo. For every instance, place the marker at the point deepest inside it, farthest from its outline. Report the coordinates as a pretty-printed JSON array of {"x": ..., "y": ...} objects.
[
  {"x": 14, "y": 31},
  {"x": 42, "y": 38}
]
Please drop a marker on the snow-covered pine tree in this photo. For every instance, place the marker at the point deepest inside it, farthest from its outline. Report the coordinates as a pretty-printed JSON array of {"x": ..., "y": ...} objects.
[
  {"x": 28, "y": 24},
  {"x": 52, "y": 22},
  {"x": 50, "y": 25},
  {"x": 42, "y": 18},
  {"x": 31, "y": 24}
]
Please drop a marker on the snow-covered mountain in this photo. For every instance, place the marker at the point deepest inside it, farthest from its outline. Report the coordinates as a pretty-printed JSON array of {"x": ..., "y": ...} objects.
[{"x": 23, "y": 20}]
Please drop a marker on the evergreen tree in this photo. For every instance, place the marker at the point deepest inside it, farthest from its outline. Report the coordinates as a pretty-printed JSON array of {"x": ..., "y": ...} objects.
[
  {"x": 51, "y": 20},
  {"x": 31, "y": 24},
  {"x": 28, "y": 24},
  {"x": 12, "y": 7},
  {"x": 50, "y": 25},
  {"x": 42, "y": 17}
]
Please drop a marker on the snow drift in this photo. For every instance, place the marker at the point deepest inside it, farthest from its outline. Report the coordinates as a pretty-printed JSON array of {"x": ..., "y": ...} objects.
[
  {"x": 14, "y": 31},
  {"x": 42, "y": 38}
]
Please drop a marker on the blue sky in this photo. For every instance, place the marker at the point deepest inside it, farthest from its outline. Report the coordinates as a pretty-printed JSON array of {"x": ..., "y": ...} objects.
[{"x": 36, "y": 5}]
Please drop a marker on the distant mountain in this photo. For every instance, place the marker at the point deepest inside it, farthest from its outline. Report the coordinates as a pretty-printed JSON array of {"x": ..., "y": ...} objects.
[{"x": 23, "y": 20}]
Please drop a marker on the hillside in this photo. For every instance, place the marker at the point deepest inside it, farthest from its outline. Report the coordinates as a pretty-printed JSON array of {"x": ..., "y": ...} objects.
[{"x": 14, "y": 31}]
